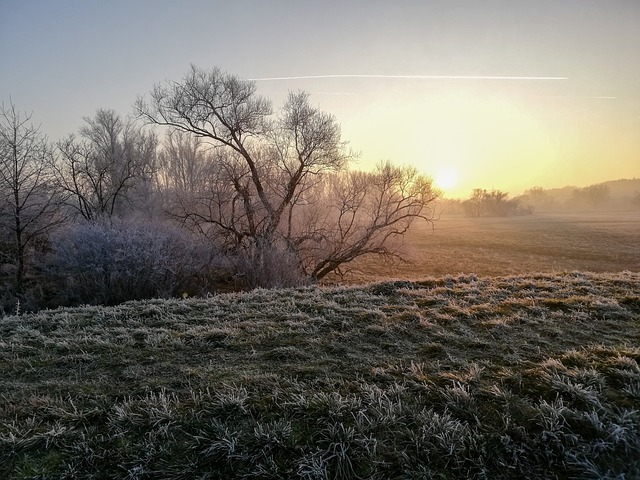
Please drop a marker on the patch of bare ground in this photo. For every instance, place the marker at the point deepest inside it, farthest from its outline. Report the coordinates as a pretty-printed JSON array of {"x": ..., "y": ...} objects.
[{"x": 533, "y": 376}]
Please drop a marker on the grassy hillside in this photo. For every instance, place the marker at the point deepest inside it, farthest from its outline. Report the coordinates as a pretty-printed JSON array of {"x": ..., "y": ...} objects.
[{"x": 459, "y": 377}]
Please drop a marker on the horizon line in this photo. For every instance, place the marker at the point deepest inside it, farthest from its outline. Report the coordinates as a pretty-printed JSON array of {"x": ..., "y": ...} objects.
[{"x": 407, "y": 77}]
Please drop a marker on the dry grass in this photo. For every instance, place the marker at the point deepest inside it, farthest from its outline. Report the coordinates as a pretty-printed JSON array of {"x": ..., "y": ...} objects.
[
  {"x": 544, "y": 242},
  {"x": 532, "y": 377}
]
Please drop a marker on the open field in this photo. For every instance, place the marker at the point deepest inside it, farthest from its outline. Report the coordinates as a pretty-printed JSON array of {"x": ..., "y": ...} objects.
[
  {"x": 543, "y": 242},
  {"x": 534, "y": 377}
]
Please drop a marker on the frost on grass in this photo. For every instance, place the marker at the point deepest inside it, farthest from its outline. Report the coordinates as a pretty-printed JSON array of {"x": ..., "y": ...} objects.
[{"x": 464, "y": 377}]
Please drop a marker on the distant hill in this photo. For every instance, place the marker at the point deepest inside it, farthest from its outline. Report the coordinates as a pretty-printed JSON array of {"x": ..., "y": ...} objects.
[
  {"x": 617, "y": 188},
  {"x": 624, "y": 187},
  {"x": 622, "y": 193}
]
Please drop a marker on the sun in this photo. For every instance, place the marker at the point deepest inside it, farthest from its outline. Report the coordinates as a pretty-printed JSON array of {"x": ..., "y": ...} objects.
[{"x": 446, "y": 179}]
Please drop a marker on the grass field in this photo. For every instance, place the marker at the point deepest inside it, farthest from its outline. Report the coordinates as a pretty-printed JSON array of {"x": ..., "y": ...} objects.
[
  {"x": 543, "y": 242},
  {"x": 531, "y": 376}
]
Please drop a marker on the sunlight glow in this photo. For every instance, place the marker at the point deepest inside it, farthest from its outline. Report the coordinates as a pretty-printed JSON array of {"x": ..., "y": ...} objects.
[
  {"x": 445, "y": 179},
  {"x": 463, "y": 138}
]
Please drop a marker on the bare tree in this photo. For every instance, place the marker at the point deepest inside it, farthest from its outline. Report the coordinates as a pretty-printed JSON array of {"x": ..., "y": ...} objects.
[
  {"x": 30, "y": 206},
  {"x": 266, "y": 161},
  {"x": 473, "y": 206},
  {"x": 493, "y": 203},
  {"x": 183, "y": 163},
  {"x": 101, "y": 170},
  {"x": 267, "y": 174},
  {"x": 595, "y": 196},
  {"x": 362, "y": 213},
  {"x": 539, "y": 198}
]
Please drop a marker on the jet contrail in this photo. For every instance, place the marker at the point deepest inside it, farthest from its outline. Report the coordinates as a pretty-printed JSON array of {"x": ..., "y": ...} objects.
[{"x": 409, "y": 77}]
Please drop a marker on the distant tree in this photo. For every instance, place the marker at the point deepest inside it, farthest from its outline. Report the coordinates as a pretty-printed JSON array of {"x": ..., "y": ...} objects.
[
  {"x": 30, "y": 204},
  {"x": 104, "y": 170},
  {"x": 451, "y": 206},
  {"x": 268, "y": 176},
  {"x": 493, "y": 203},
  {"x": 473, "y": 205},
  {"x": 538, "y": 198},
  {"x": 596, "y": 195}
]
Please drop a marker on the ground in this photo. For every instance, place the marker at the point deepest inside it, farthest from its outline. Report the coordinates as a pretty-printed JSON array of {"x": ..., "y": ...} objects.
[
  {"x": 547, "y": 242},
  {"x": 496, "y": 372}
]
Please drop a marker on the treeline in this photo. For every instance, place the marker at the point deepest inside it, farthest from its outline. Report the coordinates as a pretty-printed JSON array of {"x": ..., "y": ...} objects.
[
  {"x": 204, "y": 189},
  {"x": 487, "y": 203},
  {"x": 618, "y": 194},
  {"x": 495, "y": 203}
]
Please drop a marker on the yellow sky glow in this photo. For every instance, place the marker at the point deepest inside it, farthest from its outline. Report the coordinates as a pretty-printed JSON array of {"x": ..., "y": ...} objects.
[
  {"x": 463, "y": 141},
  {"x": 505, "y": 94}
]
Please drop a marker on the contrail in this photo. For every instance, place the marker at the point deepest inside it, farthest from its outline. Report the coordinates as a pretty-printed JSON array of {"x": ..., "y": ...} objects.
[
  {"x": 409, "y": 77},
  {"x": 584, "y": 97},
  {"x": 344, "y": 94}
]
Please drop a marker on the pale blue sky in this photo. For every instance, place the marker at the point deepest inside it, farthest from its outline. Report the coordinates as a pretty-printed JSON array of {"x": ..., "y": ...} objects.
[{"x": 63, "y": 59}]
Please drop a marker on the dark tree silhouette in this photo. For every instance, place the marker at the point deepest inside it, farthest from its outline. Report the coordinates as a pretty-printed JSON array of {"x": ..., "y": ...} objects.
[{"x": 30, "y": 205}]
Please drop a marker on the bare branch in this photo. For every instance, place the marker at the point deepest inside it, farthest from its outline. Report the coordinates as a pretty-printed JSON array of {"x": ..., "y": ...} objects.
[{"x": 30, "y": 203}]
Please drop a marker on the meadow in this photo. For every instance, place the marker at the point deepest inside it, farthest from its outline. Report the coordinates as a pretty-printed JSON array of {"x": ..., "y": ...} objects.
[
  {"x": 440, "y": 375},
  {"x": 551, "y": 242}
]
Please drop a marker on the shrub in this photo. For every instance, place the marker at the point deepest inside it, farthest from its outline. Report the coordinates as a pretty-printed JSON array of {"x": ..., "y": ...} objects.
[
  {"x": 493, "y": 203},
  {"x": 109, "y": 263}
]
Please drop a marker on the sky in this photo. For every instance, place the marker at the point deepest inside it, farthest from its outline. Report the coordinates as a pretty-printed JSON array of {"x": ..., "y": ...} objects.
[{"x": 505, "y": 94}]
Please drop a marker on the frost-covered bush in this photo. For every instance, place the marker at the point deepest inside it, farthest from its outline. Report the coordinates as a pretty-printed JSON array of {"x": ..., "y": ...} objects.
[{"x": 109, "y": 263}]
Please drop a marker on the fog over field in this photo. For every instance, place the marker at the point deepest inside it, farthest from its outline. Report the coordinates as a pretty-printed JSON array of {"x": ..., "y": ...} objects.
[{"x": 595, "y": 241}]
